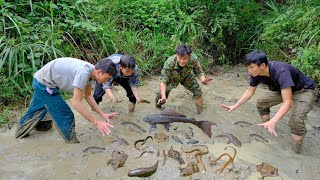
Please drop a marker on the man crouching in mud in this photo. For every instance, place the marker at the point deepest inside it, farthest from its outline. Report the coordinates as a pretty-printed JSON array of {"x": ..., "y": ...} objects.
[
  {"x": 66, "y": 74},
  {"x": 182, "y": 68},
  {"x": 127, "y": 75},
  {"x": 288, "y": 86}
]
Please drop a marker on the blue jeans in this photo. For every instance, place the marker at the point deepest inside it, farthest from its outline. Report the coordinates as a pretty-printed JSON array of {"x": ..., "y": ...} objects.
[{"x": 44, "y": 102}]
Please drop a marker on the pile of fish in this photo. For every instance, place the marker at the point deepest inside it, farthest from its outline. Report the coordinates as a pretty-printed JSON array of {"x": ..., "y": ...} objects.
[{"x": 183, "y": 136}]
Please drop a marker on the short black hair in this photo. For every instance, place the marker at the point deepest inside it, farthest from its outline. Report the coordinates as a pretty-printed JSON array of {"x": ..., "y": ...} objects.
[
  {"x": 255, "y": 57},
  {"x": 106, "y": 66},
  {"x": 127, "y": 61},
  {"x": 183, "y": 50}
]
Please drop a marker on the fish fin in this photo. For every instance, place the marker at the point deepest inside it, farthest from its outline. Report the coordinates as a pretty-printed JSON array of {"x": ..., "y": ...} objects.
[
  {"x": 153, "y": 127},
  {"x": 205, "y": 126},
  {"x": 167, "y": 126},
  {"x": 171, "y": 112}
]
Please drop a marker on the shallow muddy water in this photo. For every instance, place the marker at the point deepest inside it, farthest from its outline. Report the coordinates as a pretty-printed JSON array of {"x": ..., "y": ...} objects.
[{"x": 45, "y": 155}]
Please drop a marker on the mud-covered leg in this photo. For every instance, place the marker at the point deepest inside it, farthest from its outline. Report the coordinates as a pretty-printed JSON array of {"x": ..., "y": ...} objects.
[
  {"x": 34, "y": 114},
  {"x": 63, "y": 118},
  {"x": 199, "y": 104},
  {"x": 191, "y": 84},
  {"x": 302, "y": 104}
]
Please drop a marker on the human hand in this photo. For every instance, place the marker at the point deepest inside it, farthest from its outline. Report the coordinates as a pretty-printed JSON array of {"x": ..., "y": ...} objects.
[
  {"x": 207, "y": 80},
  {"x": 270, "y": 125},
  {"x": 161, "y": 101},
  {"x": 104, "y": 127},
  {"x": 112, "y": 115},
  {"x": 228, "y": 108}
]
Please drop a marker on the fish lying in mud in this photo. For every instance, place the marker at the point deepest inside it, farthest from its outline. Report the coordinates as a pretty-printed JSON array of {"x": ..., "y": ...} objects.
[
  {"x": 234, "y": 152},
  {"x": 243, "y": 123},
  {"x": 118, "y": 159},
  {"x": 94, "y": 150},
  {"x": 144, "y": 152},
  {"x": 230, "y": 160},
  {"x": 144, "y": 172},
  {"x": 177, "y": 139},
  {"x": 190, "y": 169},
  {"x": 121, "y": 141},
  {"x": 175, "y": 155},
  {"x": 231, "y": 138},
  {"x": 143, "y": 142},
  {"x": 192, "y": 141},
  {"x": 266, "y": 170},
  {"x": 134, "y": 127},
  {"x": 259, "y": 138},
  {"x": 169, "y": 115},
  {"x": 198, "y": 155}
]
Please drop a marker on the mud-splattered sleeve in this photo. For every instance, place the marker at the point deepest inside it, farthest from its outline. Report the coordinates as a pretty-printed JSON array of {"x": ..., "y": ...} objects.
[{"x": 165, "y": 72}]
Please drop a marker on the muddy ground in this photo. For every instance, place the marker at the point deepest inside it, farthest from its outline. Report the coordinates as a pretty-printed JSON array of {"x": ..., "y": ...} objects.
[{"x": 45, "y": 155}]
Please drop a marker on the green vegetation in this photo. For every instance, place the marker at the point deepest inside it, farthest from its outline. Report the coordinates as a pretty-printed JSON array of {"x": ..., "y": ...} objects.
[{"x": 221, "y": 32}]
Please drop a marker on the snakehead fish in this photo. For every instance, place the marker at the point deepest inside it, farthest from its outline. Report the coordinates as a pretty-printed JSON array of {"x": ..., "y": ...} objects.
[{"x": 169, "y": 115}]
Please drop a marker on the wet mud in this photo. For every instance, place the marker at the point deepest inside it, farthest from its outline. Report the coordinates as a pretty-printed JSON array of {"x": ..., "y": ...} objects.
[{"x": 45, "y": 155}]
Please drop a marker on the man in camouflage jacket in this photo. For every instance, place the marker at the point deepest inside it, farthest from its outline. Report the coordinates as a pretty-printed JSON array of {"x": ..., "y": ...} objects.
[{"x": 182, "y": 68}]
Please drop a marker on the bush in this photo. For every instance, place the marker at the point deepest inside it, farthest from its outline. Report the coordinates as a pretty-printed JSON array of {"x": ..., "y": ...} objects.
[{"x": 307, "y": 61}]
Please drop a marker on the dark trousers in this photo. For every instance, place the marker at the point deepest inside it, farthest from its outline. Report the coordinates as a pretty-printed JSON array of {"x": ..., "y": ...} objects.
[{"x": 124, "y": 82}]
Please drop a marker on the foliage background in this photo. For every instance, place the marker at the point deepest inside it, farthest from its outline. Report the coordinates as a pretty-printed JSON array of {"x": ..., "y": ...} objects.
[{"x": 220, "y": 32}]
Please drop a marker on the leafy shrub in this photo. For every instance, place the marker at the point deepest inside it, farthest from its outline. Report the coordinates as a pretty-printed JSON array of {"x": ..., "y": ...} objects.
[{"x": 307, "y": 61}]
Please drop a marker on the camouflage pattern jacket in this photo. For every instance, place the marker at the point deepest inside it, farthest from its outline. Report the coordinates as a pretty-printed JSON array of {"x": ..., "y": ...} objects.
[{"x": 174, "y": 74}]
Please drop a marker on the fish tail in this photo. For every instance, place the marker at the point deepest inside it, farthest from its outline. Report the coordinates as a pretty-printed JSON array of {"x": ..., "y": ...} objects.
[{"x": 205, "y": 126}]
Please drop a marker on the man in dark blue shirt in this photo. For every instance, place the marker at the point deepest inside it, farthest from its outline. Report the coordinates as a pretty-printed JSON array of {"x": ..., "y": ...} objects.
[
  {"x": 287, "y": 85},
  {"x": 127, "y": 75}
]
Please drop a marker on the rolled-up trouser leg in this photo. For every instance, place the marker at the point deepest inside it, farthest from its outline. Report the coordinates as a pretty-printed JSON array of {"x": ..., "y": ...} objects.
[
  {"x": 98, "y": 92},
  {"x": 302, "y": 104},
  {"x": 267, "y": 100}
]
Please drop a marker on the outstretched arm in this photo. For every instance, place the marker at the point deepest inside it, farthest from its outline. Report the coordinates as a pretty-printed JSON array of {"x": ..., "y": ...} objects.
[
  {"x": 163, "y": 98},
  {"x": 111, "y": 96},
  {"x": 76, "y": 102},
  {"x": 244, "y": 98},
  {"x": 134, "y": 90}
]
